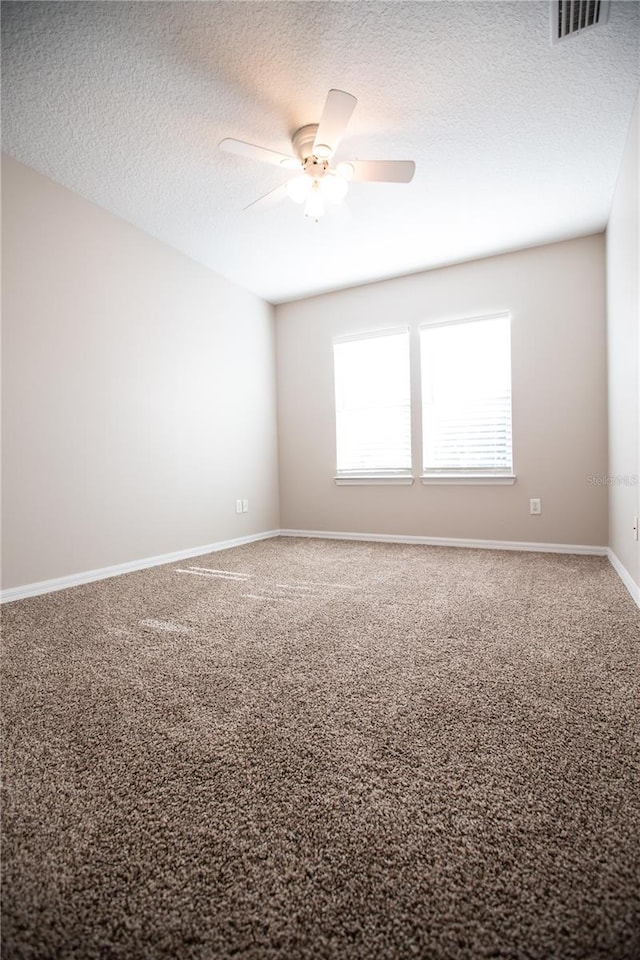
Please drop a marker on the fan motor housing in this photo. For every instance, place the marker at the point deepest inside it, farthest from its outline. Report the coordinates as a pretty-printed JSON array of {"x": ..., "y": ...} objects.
[{"x": 303, "y": 140}]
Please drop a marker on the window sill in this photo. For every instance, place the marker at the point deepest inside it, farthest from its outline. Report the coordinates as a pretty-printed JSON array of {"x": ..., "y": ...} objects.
[
  {"x": 350, "y": 480},
  {"x": 468, "y": 478}
]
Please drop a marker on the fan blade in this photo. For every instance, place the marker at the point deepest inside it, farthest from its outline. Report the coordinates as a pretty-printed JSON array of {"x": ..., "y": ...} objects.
[
  {"x": 274, "y": 196},
  {"x": 336, "y": 114},
  {"x": 382, "y": 171},
  {"x": 252, "y": 152}
]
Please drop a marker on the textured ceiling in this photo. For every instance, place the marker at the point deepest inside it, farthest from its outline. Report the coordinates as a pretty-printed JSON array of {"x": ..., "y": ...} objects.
[{"x": 517, "y": 142}]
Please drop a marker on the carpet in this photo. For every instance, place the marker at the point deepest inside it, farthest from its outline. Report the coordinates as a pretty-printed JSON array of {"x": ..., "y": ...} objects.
[{"x": 323, "y": 749}]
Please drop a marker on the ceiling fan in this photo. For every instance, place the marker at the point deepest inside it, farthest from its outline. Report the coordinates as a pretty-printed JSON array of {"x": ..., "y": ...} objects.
[{"x": 318, "y": 181}]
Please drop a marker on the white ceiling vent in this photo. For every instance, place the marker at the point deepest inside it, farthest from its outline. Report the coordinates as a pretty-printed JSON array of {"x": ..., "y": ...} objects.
[{"x": 569, "y": 17}]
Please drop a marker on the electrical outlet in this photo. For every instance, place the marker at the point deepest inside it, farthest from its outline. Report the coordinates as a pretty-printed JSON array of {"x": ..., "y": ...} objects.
[
  {"x": 238, "y": 506},
  {"x": 245, "y": 506},
  {"x": 535, "y": 507},
  {"x": 635, "y": 528}
]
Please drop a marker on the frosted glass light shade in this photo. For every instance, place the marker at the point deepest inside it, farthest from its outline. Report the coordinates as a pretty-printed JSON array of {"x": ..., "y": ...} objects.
[
  {"x": 345, "y": 169},
  {"x": 333, "y": 188},
  {"x": 298, "y": 188},
  {"x": 291, "y": 163},
  {"x": 314, "y": 207}
]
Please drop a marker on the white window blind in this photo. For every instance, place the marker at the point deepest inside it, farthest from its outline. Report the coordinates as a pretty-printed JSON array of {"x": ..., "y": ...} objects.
[
  {"x": 466, "y": 396},
  {"x": 373, "y": 404}
]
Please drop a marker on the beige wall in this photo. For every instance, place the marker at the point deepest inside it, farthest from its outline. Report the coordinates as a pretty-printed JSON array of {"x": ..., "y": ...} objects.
[
  {"x": 623, "y": 310},
  {"x": 556, "y": 295},
  {"x": 138, "y": 392}
]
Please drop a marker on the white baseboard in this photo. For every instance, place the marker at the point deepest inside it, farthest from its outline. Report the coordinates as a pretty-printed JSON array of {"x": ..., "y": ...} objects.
[
  {"x": 453, "y": 542},
  {"x": 625, "y": 576},
  {"x": 88, "y": 576}
]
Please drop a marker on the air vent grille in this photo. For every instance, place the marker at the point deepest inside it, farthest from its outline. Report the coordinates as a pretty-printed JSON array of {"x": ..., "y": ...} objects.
[{"x": 569, "y": 17}]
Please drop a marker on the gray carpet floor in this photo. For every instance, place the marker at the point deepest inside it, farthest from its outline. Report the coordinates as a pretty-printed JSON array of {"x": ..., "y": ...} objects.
[{"x": 323, "y": 749}]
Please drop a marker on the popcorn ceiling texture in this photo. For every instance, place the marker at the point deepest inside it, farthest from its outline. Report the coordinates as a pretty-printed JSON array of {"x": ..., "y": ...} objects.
[
  {"x": 516, "y": 142},
  {"x": 309, "y": 749}
]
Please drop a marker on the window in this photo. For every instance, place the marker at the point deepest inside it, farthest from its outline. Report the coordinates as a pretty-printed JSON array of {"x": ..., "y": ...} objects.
[
  {"x": 373, "y": 407},
  {"x": 466, "y": 398}
]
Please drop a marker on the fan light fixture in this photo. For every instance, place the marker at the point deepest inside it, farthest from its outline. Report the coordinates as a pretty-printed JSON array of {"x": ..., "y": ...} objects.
[
  {"x": 314, "y": 207},
  {"x": 327, "y": 188},
  {"x": 299, "y": 187},
  {"x": 314, "y": 147},
  {"x": 333, "y": 187},
  {"x": 345, "y": 169}
]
